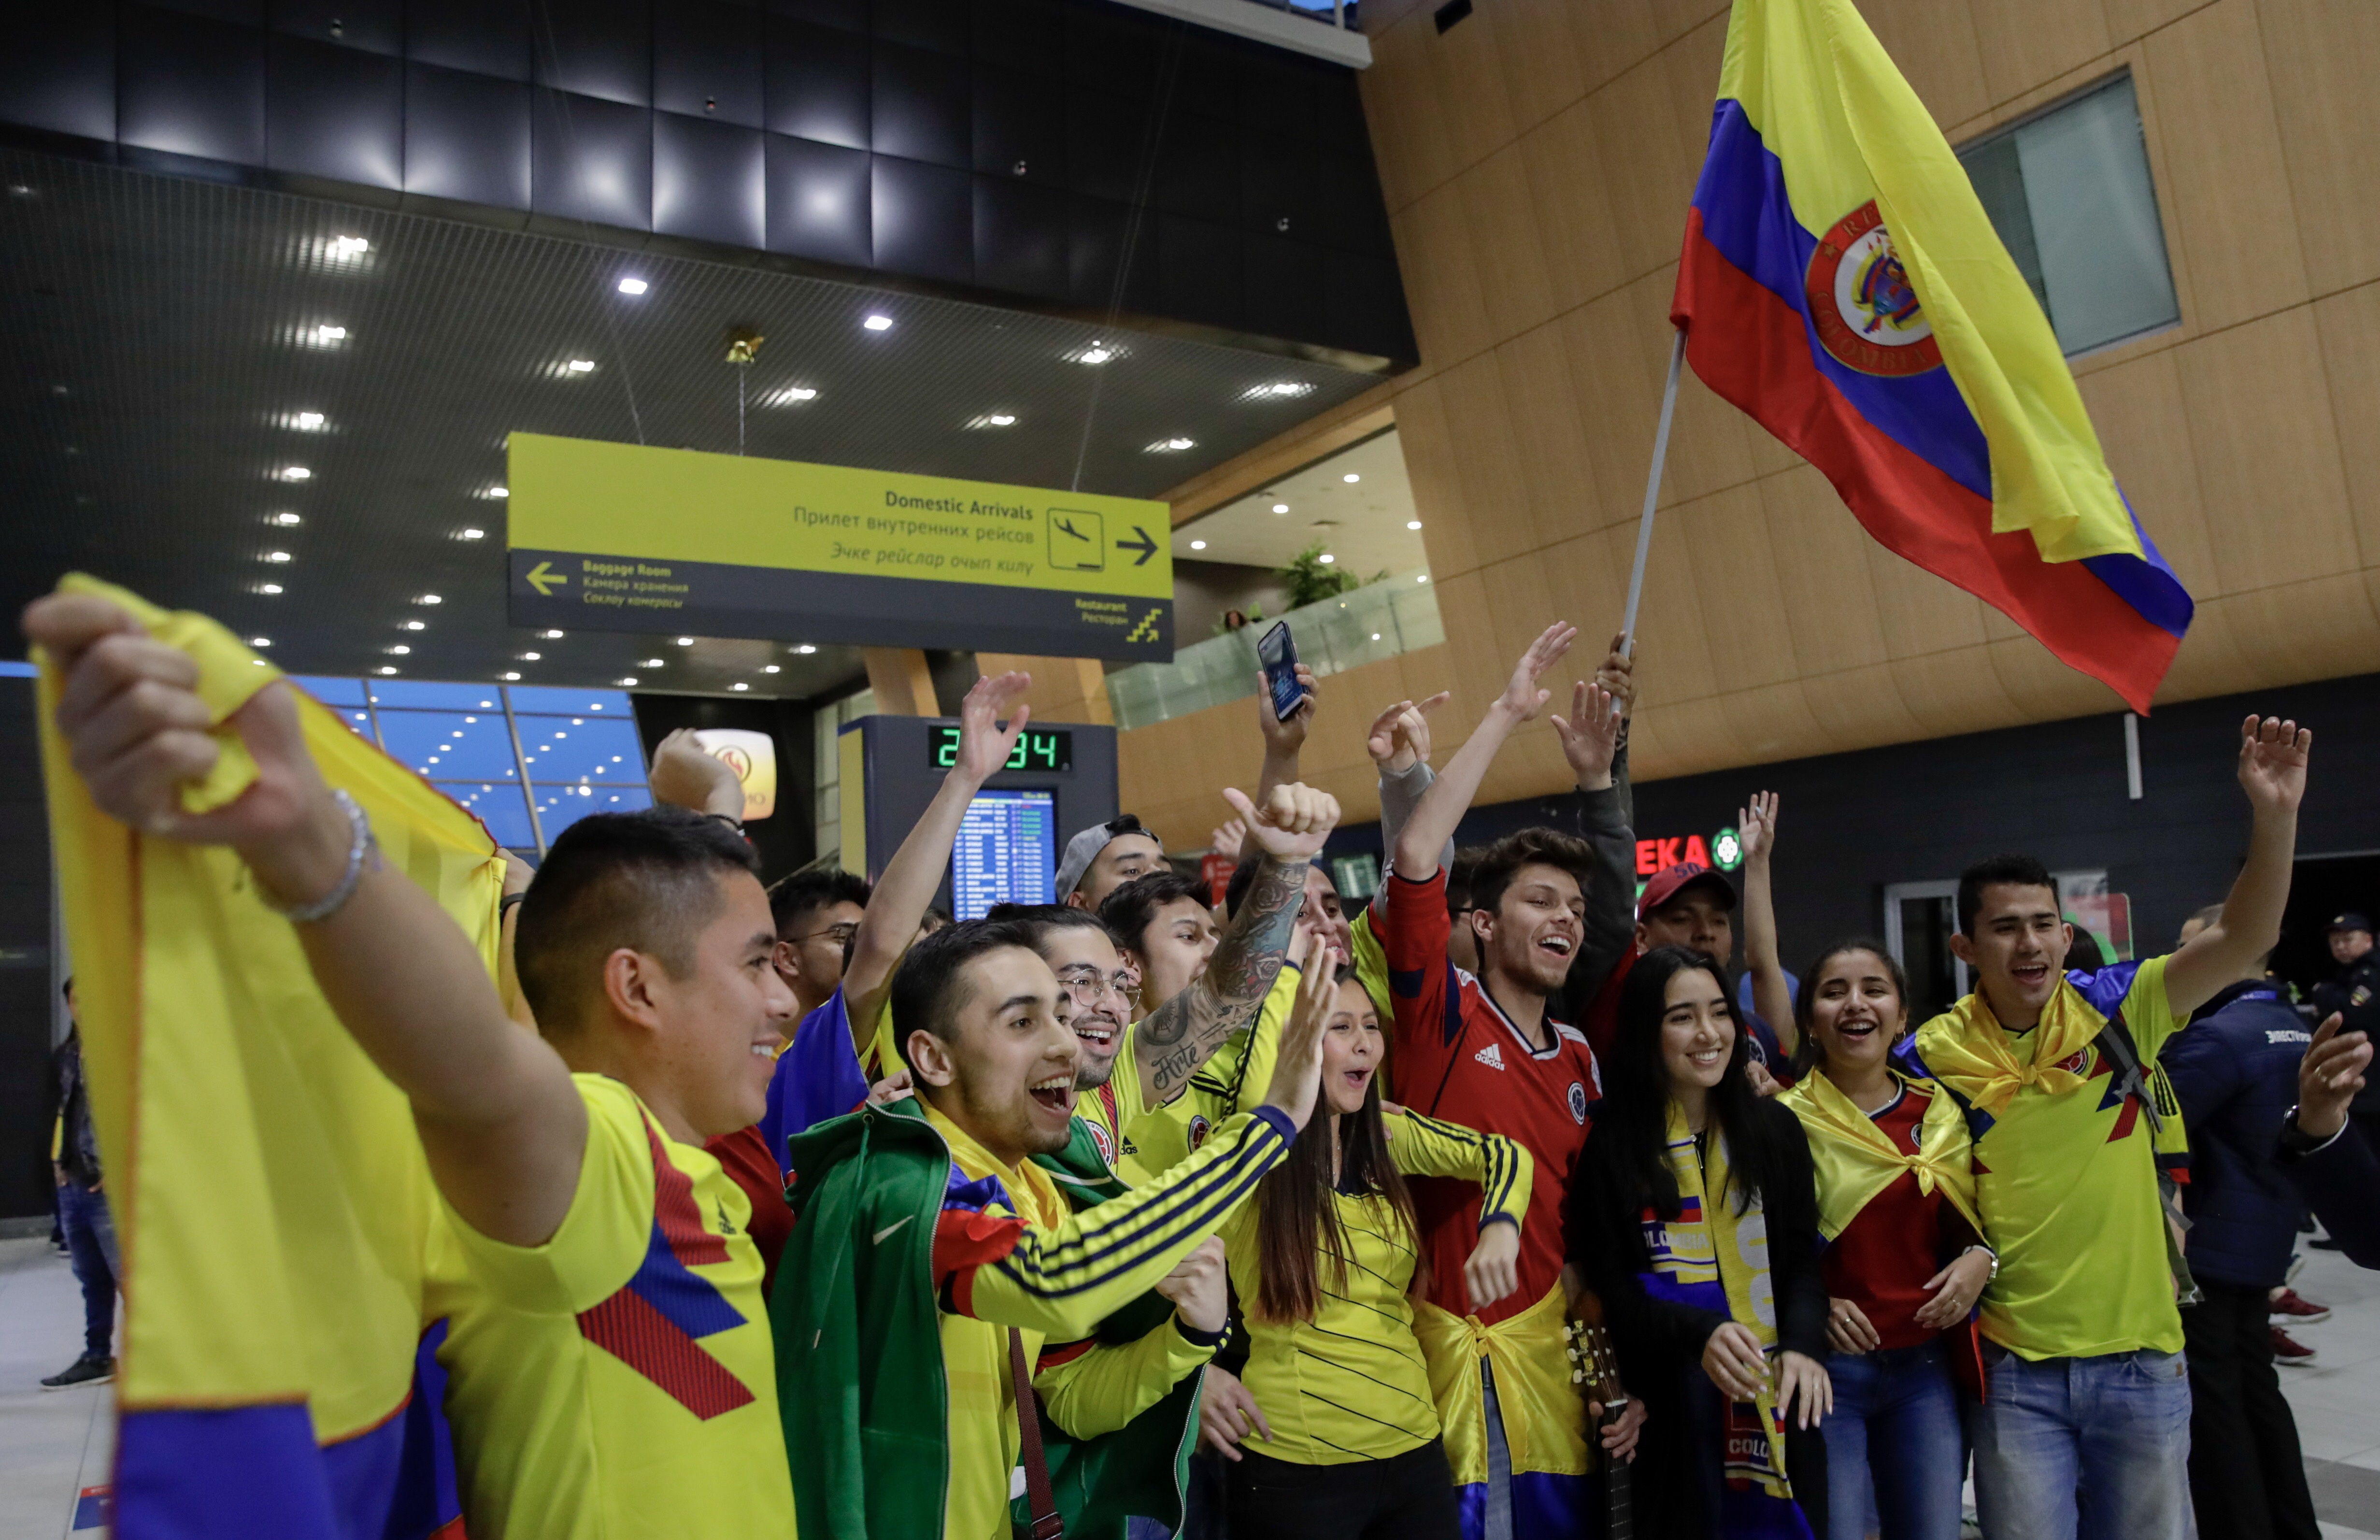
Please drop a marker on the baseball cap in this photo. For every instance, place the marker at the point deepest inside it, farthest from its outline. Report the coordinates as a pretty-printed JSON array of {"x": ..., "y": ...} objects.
[
  {"x": 1669, "y": 882},
  {"x": 1085, "y": 847},
  {"x": 2349, "y": 921}
]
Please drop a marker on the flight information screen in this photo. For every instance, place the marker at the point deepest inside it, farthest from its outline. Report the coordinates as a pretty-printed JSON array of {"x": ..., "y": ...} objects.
[{"x": 1007, "y": 852}]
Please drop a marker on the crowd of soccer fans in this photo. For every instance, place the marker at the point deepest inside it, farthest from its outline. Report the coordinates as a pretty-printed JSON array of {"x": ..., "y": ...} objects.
[{"x": 1486, "y": 1208}]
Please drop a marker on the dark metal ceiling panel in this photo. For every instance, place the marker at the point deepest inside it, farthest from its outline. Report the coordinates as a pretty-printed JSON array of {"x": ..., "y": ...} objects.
[{"x": 159, "y": 338}]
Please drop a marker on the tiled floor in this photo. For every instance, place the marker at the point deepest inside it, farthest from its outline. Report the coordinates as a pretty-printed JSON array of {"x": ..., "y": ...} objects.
[{"x": 55, "y": 1444}]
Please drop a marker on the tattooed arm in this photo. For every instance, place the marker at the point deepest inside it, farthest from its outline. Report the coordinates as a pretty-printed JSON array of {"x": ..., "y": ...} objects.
[{"x": 1288, "y": 832}]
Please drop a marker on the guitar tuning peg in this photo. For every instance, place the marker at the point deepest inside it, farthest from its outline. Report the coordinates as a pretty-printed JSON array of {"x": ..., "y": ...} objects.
[{"x": 1577, "y": 1376}]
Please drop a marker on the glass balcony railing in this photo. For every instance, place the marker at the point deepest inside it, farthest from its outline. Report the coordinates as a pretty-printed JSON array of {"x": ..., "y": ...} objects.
[{"x": 1395, "y": 615}]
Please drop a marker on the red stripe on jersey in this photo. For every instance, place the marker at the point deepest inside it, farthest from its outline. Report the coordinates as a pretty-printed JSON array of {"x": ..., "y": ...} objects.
[
  {"x": 965, "y": 1239},
  {"x": 2125, "y": 1118},
  {"x": 630, "y": 1329},
  {"x": 689, "y": 1239}
]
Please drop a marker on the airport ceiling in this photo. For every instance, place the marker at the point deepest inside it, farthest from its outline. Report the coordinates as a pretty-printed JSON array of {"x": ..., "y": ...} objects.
[{"x": 161, "y": 339}]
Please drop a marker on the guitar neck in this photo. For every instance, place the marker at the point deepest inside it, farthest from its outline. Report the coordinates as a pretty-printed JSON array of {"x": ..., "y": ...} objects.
[{"x": 1619, "y": 1498}]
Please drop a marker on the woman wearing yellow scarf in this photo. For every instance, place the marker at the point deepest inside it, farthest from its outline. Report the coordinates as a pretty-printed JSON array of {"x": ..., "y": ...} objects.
[
  {"x": 1691, "y": 1214},
  {"x": 1903, "y": 1263}
]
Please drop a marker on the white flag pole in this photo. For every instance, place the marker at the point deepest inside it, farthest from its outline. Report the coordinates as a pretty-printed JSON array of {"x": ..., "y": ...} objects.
[{"x": 1653, "y": 491}]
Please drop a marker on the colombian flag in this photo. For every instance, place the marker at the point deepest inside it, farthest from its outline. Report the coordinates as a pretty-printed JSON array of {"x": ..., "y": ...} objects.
[
  {"x": 274, "y": 1201},
  {"x": 1842, "y": 285}
]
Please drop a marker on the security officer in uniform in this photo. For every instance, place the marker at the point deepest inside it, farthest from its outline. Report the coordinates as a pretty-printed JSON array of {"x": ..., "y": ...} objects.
[{"x": 2355, "y": 992}]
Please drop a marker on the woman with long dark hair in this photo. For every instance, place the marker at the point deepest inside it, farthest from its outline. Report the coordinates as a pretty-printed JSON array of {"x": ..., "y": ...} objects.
[
  {"x": 1903, "y": 1264},
  {"x": 1691, "y": 1215},
  {"x": 1323, "y": 1265}
]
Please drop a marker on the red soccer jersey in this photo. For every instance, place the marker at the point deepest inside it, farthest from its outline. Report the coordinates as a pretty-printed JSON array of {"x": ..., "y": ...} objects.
[
  {"x": 1883, "y": 1257},
  {"x": 1458, "y": 1057}
]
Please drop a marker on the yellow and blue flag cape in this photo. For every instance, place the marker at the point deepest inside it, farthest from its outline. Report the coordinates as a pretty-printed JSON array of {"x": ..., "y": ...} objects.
[
  {"x": 1842, "y": 285},
  {"x": 270, "y": 1193}
]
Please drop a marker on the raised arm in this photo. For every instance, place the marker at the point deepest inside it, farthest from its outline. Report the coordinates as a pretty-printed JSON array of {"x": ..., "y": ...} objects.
[
  {"x": 687, "y": 775},
  {"x": 1433, "y": 821},
  {"x": 1289, "y": 829},
  {"x": 501, "y": 1121},
  {"x": 897, "y": 905},
  {"x": 1755, "y": 826},
  {"x": 1284, "y": 741},
  {"x": 2273, "y": 756},
  {"x": 1399, "y": 744}
]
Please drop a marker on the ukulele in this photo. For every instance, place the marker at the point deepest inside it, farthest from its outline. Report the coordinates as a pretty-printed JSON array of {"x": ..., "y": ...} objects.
[{"x": 1597, "y": 1372}]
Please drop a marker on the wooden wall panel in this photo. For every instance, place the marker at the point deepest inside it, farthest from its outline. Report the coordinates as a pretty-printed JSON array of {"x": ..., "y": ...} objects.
[
  {"x": 2225, "y": 175},
  {"x": 2248, "y": 437},
  {"x": 2323, "y": 57}
]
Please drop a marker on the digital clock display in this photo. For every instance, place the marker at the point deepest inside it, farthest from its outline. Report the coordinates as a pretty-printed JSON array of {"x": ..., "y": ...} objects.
[{"x": 1036, "y": 748}]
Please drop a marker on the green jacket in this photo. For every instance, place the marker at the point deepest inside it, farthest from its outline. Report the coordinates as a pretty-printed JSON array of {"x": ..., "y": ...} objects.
[{"x": 859, "y": 1362}]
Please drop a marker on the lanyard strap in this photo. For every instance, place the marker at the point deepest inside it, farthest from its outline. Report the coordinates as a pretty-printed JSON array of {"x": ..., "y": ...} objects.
[{"x": 1047, "y": 1524}]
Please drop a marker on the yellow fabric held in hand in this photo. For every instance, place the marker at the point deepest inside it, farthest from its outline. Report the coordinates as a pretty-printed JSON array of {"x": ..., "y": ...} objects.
[{"x": 270, "y": 1191}]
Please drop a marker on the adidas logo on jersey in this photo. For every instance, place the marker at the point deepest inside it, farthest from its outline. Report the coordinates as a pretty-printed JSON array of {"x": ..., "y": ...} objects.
[{"x": 1490, "y": 1057}]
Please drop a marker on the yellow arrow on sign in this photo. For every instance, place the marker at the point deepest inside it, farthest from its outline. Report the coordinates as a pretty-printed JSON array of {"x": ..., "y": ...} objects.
[{"x": 543, "y": 574}]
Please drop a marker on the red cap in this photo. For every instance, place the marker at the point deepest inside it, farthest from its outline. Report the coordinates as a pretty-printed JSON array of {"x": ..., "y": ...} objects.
[{"x": 1669, "y": 882}]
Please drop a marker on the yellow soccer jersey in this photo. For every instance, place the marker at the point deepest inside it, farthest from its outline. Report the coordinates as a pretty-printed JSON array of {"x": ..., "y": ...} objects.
[
  {"x": 617, "y": 1380},
  {"x": 2065, "y": 1171},
  {"x": 1350, "y": 1384},
  {"x": 1072, "y": 1268},
  {"x": 1115, "y": 1111}
]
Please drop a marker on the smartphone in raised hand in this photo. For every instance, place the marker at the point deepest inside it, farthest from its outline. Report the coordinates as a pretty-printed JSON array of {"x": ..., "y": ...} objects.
[{"x": 1277, "y": 651}]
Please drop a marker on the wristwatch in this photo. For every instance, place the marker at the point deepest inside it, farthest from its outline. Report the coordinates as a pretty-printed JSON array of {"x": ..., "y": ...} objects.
[{"x": 2296, "y": 1144}]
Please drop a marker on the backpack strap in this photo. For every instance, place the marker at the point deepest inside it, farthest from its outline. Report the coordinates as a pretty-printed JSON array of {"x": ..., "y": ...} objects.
[{"x": 2115, "y": 1040}]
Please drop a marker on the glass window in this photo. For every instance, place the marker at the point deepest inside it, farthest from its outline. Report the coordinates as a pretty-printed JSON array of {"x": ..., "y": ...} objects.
[
  {"x": 443, "y": 744},
  {"x": 2068, "y": 192},
  {"x": 582, "y": 748},
  {"x": 546, "y": 700},
  {"x": 499, "y": 806},
  {"x": 560, "y": 806},
  {"x": 330, "y": 691},
  {"x": 424, "y": 692}
]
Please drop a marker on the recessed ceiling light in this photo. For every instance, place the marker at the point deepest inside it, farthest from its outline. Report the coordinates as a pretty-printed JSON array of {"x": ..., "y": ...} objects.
[
  {"x": 308, "y": 422},
  {"x": 1351, "y": 478},
  {"x": 399, "y": 651},
  {"x": 650, "y": 663},
  {"x": 259, "y": 663},
  {"x": 1197, "y": 545},
  {"x": 415, "y": 625},
  {"x": 1002, "y": 419},
  {"x": 631, "y": 679},
  {"x": 1376, "y": 635},
  {"x": 739, "y": 684},
  {"x": 472, "y": 535},
  {"x": 508, "y": 678},
  {"x": 296, "y": 473},
  {"x": 581, "y": 366},
  {"x": 259, "y": 641},
  {"x": 276, "y": 555},
  {"x": 1422, "y": 578},
  {"x": 632, "y": 285},
  {"x": 498, "y": 493},
  {"x": 348, "y": 248},
  {"x": 878, "y": 323},
  {"x": 1413, "y": 524},
  {"x": 1328, "y": 558},
  {"x": 325, "y": 335},
  {"x": 806, "y": 649},
  {"x": 793, "y": 395},
  {"x": 1281, "y": 507},
  {"x": 430, "y": 598},
  {"x": 388, "y": 667},
  {"x": 268, "y": 587},
  {"x": 685, "y": 641},
  {"x": 1095, "y": 354},
  {"x": 531, "y": 657},
  {"x": 551, "y": 635},
  {"x": 287, "y": 520},
  {"x": 1170, "y": 446}
]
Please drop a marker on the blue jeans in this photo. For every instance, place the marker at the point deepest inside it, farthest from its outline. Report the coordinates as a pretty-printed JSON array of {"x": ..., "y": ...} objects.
[
  {"x": 1896, "y": 1419},
  {"x": 91, "y": 1246},
  {"x": 2095, "y": 1448}
]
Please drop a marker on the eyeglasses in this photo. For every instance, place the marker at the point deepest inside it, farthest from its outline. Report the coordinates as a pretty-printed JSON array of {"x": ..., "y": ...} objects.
[
  {"x": 1084, "y": 982},
  {"x": 839, "y": 935}
]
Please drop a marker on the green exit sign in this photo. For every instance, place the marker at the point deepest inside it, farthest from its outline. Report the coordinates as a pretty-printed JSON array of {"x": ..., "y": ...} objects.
[{"x": 1037, "y": 749}]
